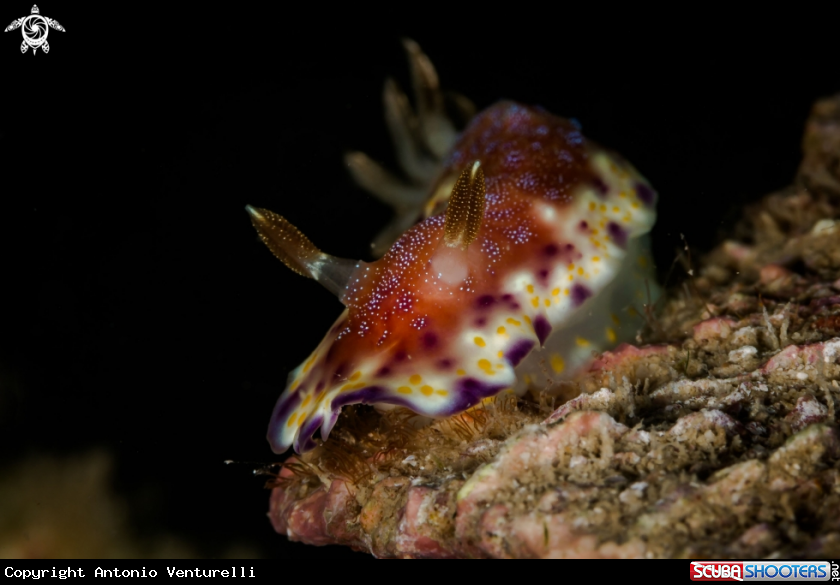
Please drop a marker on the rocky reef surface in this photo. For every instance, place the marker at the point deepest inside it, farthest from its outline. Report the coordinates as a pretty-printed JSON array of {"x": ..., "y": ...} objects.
[{"x": 715, "y": 437}]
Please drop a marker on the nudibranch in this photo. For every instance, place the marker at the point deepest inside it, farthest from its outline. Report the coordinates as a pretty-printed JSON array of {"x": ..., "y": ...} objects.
[{"x": 527, "y": 254}]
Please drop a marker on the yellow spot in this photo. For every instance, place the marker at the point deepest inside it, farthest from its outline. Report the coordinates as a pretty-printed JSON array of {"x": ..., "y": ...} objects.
[
  {"x": 611, "y": 335},
  {"x": 346, "y": 387},
  {"x": 501, "y": 331},
  {"x": 555, "y": 292},
  {"x": 291, "y": 420},
  {"x": 355, "y": 376},
  {"x": 581, "y": 341},
  {"x": 500, "y": 366},
  {"x": 479, "y": 341},
  {"x": 570, "y": 266},
  {"x": 358, "y": 385},
  {"x": 627, "y": 218},
  {"x": 306, "y": 401},
  {"x": 603, "y": 208},
  {"x": 404, "y": 390},
  {"x": 320, "y": 399},
  {"x": 442, "y": 392},
  {"x": 547, "y": 302},
  {"x": 527, "y": 379},
  {"x": 501, "y": 354},
  {"x": 486, "y": 366},
  {"x": 530, "y": 288},
  {"x": 594, "y": 232},
  {"x": 557, "y": 363},
  {"x": 642, "y": 261},
  {"x": 527, "y": 319},
  {"x": 415, "y": 379},
  {"x": 566, "y": 291},
  {"x": 301, "y": 419},
  {"x": 571, "y": 278},
  {"x": 622, "y": 194},
  {"x": 596, "y": 243},
  {"x": 632, "y": 312},
  {"x": 460, "y": 372},
  {"x": 580, "y": 270},
  {"x": 596, "y": 259},
  {"x": 514, "y": 322},
  {"x": 295, "y": 385},
  {"x": 309, "y": 363},
  {"x": 616, "y": 209},
  {"x": 615, "y": 319},
  {"x": 635, "y": 205},
  {"x": 536, "y": 302},
  {"x": 427, "y": 390},
  {"x": 592, "y": 206}
]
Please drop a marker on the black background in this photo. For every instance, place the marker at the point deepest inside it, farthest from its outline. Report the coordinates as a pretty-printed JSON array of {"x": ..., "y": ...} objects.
[{"x": 139, "y": 311}]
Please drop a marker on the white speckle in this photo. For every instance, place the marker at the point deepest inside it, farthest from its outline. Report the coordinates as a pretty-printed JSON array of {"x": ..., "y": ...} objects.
[
  {"x": 824, "y": 227},
  {"x": 801, "y": 376},
  {"x": 577, "y": 461},
  {"x": 830, "y": 350},
  {"x": 742, "y": 354}
]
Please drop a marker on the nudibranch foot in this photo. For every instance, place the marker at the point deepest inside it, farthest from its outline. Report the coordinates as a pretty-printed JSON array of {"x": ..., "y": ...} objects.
[
  {"x": 420, "y": 139},
  {"x": 529, "y": 254}
]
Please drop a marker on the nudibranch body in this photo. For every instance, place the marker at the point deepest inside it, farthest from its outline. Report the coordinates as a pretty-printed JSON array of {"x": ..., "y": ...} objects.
[{"x": 556, "y": 267}]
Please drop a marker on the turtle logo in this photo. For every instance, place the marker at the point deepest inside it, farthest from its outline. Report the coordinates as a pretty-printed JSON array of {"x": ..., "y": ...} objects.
[{"x": 35, "y": 29}]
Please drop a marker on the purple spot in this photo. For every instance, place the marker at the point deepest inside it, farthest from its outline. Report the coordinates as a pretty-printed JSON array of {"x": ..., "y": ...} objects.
[
  {"x": 400, "y": 356},
  {"x": 508, "y": 298},
  {"x": 583, "y": 225},
  {"x": 383, "y": 371},
  {"x": 341, "y": 371},
  {"x": 330, "y": 355},
  {"x": 485, "y": 301},
  {"x": 480, "y": 322},
  {"x": 600, "y": 187},
  {"x": 328, "y": 425},
  {"x": 430, "y": 340},
  {"x": 303, "y": 441},
  {"x": 542, "y": 277},
  {"x": 469, "y": 392},
  {"x": 579, "y": 294},
  {"x": 371, "y": 395},
  {"x": 444, "y": 364},
  {"x": 542, "y": 328},
  {"x": 519, "y": 350},
  {"x": 617, "y": 233},
  {"x": 550, "y": 250},
  {"x": 645, "y": 194}
]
